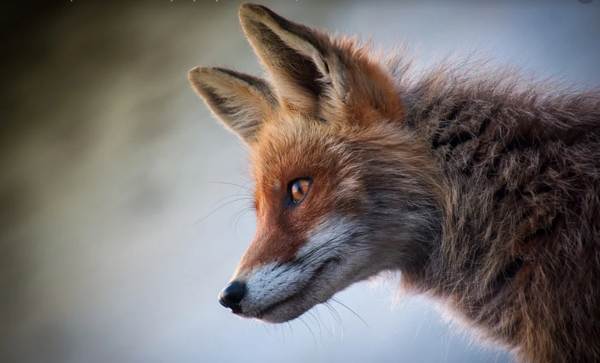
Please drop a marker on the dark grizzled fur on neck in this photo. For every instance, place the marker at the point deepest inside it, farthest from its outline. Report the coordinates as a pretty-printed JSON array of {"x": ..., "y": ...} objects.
[{"x": 519, "y": 257}]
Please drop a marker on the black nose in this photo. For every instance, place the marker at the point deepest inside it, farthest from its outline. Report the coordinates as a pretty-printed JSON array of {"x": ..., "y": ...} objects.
[{"x": 232, "y": 295}]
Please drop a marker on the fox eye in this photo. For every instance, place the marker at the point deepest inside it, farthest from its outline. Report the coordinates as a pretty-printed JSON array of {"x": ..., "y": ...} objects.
[{"x": 299, "y": 188}]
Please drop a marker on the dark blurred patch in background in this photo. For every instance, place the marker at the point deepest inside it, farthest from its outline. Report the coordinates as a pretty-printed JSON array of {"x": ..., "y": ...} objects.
[{"x": 112, "y": 243}]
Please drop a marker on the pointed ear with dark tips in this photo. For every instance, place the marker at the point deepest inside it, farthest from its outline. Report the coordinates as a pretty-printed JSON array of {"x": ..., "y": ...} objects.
[
  {"x": 301, "y": 60},
  {"x": 239, "y": 100}
]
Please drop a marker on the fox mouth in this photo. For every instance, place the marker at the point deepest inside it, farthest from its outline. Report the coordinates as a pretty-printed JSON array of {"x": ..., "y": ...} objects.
[{"x": 299, "y": 302}]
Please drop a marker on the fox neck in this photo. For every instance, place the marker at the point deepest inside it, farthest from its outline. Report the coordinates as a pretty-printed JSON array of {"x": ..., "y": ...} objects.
[
  {"x": 421, "y": 224},
  {"x": 503, "y": 161}
]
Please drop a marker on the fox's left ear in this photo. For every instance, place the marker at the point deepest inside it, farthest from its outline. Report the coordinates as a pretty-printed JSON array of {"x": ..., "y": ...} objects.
[
  {"x": 241, "y": 101},
  {"x": 308, "y": 68}
]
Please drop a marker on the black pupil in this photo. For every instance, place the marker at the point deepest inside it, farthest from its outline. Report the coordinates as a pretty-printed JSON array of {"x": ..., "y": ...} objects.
[{"x": 298, "y": 188}]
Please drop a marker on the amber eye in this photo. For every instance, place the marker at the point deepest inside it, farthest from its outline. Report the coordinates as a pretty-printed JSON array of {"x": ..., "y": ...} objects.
[{"x": 299, "y": 188}]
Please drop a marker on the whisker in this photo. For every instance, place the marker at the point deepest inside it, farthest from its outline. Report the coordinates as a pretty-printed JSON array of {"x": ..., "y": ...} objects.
[
  {"x": 316, "y": 309},
  {"x": 318, "y": 325},
  {"x": 237, "y": 195},
  {"x": 337, "y": 318},
  {"x": 309, "y": 329},
  {"x": 334, "y": 313},
  {"x": 325, "y": 248},
  {"x": 321, "y": 247},
  {"x": 203, "y": 218},
  {"x": 244, "y": 211},
  {"x": 228, "y": 183},
  {"x": 352, "y": 311}
]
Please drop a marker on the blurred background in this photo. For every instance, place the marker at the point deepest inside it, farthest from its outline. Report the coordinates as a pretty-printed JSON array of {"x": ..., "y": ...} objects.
[{"x": 118, "y": 225}]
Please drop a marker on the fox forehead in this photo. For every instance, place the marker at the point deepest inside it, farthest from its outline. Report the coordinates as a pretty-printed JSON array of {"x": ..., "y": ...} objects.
[{"x": 292, "y": 147}]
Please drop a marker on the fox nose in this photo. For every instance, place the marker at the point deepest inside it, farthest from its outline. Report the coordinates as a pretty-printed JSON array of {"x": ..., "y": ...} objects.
[{"x": 232, "y": 295}]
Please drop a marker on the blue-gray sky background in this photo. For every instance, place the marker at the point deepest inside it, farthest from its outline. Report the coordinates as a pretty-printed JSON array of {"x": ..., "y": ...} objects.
[{"x": 111, "y": 168}]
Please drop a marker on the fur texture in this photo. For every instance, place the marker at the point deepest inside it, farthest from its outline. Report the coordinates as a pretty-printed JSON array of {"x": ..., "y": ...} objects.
[{"x": 482, "y": 189}]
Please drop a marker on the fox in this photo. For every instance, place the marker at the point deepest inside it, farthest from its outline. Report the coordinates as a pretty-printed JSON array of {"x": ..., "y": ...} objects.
[{"x": 481, "y": 189}]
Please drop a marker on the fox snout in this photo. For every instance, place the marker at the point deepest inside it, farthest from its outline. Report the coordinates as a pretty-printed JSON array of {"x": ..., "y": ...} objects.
[{"x": 281, "y": 290}]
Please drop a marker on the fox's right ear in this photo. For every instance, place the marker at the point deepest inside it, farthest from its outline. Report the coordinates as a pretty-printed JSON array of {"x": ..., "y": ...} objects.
[
  {"x": 300, "y": 59},
  {"x": 238, "y": 99}
]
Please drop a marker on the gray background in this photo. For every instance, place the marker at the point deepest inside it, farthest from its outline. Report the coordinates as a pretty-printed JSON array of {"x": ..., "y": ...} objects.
[{"x": 111, "y": 168}]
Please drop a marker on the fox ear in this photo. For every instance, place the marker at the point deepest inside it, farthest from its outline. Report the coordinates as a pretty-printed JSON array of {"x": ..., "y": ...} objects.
[
  {"x": 311, "y": 73},
  {"x": 301, "y": 60},
  {"x": 240, "y": 100}
]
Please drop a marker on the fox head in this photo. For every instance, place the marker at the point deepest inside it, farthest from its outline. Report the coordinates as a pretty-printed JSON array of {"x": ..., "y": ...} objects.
[{"x": 344, "y": 188}]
